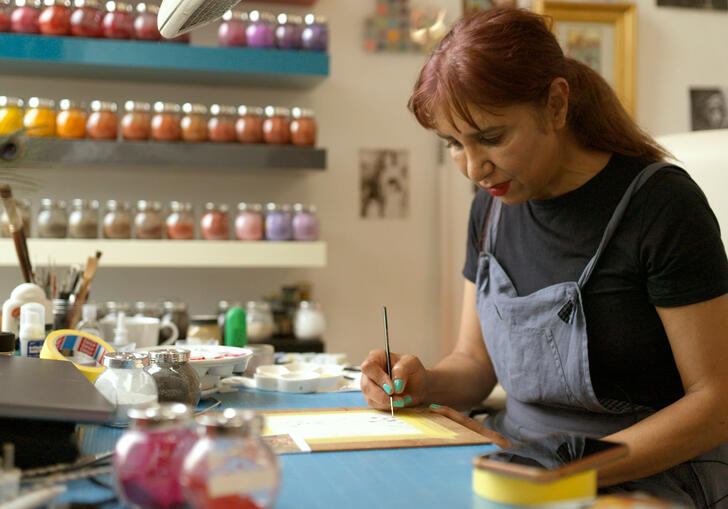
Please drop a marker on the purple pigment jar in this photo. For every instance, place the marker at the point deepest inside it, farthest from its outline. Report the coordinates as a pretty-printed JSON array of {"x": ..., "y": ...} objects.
[
  {"x": 305, "y": 223},
  {"x": 261, "y": 30},
  {"x": 315, "y": 34},
  {"x": 278, "y": 222},
  {"x": 288, "y": 31}
]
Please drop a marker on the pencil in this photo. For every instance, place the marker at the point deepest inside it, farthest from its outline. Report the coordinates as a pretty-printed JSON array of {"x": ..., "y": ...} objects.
[{"x": 389, "y": 362}]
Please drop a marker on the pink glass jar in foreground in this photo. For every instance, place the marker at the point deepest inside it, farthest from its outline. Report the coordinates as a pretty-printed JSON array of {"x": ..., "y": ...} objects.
[
  {"x": 55, "y": 18},
  {"x": 86, "y": 19},
  {"x": 118, "y": 22},
  {"x": 249, "y": 221},
  {"x": 24, "y": 18},
  {"x": 232, "y": 29}
]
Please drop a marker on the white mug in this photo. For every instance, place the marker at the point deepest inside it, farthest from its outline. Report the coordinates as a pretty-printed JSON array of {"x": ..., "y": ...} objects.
[{"x": 142, "y": 330}]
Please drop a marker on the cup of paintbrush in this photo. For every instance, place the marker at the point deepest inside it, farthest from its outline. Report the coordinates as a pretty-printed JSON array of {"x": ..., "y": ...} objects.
[
  {"x": 80, "y": 297},
  {"x": 15, "y": 226}
]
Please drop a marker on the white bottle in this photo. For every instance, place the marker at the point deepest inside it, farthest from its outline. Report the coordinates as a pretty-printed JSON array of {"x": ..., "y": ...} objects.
[
  {"x": 121, "y": 335},
  {"x": 32, "y": 329},
  {"x": 26, "y": 292},
  {"x": 89, "y": 324}
]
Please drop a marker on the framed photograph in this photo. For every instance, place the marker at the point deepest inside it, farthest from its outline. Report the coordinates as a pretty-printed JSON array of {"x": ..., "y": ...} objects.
[
  {"x": 383, "y": 183},
  {"x": 708, "y": 108},
  {"x": 603, "y": 36}
]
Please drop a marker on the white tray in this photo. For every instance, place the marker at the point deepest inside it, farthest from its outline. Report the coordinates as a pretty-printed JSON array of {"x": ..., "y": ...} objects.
[{"x": 298, "y": 377}]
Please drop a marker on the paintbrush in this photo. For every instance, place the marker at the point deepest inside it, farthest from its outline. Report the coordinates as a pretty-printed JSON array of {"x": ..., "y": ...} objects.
[
  {"x": 88, "y": 274},
  {"x": 389, "y": 361},
  {"x": 15, "y": 225}
]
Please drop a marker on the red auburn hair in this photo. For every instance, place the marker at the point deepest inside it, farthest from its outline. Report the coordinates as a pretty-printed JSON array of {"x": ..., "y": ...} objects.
[{"x": 503, "y": 57}]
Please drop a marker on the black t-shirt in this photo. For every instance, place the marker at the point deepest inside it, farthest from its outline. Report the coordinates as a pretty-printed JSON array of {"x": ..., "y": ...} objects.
[{"x": 666, "y": 252}]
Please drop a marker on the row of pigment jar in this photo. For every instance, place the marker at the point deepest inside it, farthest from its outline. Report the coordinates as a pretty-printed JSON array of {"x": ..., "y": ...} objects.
[
  {"x": 277, "y": 223},
  {"x": 264, "y": 30}
]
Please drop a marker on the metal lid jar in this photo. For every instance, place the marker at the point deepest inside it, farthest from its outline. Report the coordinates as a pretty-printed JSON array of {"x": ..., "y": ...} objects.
[
  {"x": 125, "y": 384},
  {"x": 117, "y": 220},
  {"x": 305, "y": 223},
  {"x": 278, "y": 222},
  {"x": 70, "y": 120},
  {"x": 52, "y": 219},
  {"x": 55, "y": 18},
  {"x": 260, "y": 32},
  {"x": 221, "y": 126},
  {"x": 214, "y": 223},
  {"x": 249, "y": 126},
  {"x": 315, "y": 34},
  {"x": 148, "y": 221},
  {"x": 231, "y": 32},
  {"x": 86, "y": 18},
  {"x": 288, "y": 31},
  {"x": 103, "y": 123},
  {"x": 303, "y": 127},
  {"x": 181, "y": 221},
  {"x": 194, "y": 122},
  {"x": 40, "y": 117},
  {"x": 259, "y": 320},
  {"x": 166, "y": 122},
  {"x": 145, "y": 23},
  {"x": 277, "y": 125},
  {"x": 118, "y": 23},
  {"x": 177, "y": 381},
  {"x": 11, "y": 114},
  {"x": 136, "y": 121},
  {"x": 249, "y": 221},
  {"x": 83, "y": 222}
]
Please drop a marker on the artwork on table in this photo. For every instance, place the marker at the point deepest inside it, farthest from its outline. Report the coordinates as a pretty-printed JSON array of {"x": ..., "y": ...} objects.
[
  {"x": 398, "y": 26},
  {"x": 708, "y": 108},
  {"x": 695, "y": 4},
  {"x": 384, "y": 183}
]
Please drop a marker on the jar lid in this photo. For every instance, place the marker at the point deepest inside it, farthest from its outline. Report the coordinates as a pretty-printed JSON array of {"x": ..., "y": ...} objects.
[
  {"x": 244, "y": 110},
  {"x": 142, "y": 205},
  {"x": 28, "y": 3},
  {"x": 232, "y": 421},
  {"x": 143, "y": 7},
  {"x": 49, "y": 203},
  {"x": 67, "y": 104},
  {"x": 312, "y": 18},
  {"x": 94, "y": 4},
  {"x": 256, "y": 16},
  {"x": 174, "y": 305},
  {"x": 62, "y": 3},
  {"x": 223, "y": 109},
  {"x": 7, "y": 342},
  {"x": 235, "y": 15},
  {"x": 41, "y": 102},
  {"x": 308, "y": 304},
  {"x": 179, "y": 206},
  {"x": 103, "y": 106},
  {"x": 196, "y": 109},
  {"x": 126, "y": 360},
  {"x": 277, "y": 111},
  {"x": 117, "y": 205},
  {"x": 137, "y": 106},
  {"x": 270, "y": 207},
  {"x": 113, "y": 5},
  {"x": 220, "y": 207},
  {"x": 6, "y": 100},
  {"x": 293, "y": 19},
  {"x": 169, "y": 356},
  {"x": 113, "y": 305},
  {"x": 255, "y": 207},
  {"x": 300, "y": 207},
  {"x": 84, "y": 203},
  {"x": 160, "y": 413},
  {"x": 203, "y": 319},
  {"x": 258, "y": 305},
  {"x": 163, "y": 107},
  {"x": 302, "y": 113}
]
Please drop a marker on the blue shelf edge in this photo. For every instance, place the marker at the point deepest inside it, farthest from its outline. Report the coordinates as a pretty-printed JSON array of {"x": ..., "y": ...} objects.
[{"x": 77, "y": 57}]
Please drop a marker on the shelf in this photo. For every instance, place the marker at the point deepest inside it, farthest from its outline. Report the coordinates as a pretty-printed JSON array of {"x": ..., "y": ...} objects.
[
  {"x": 171, "y": 253},
  {"x": 177, "y": 154},
  {"x": 78, "y": 57}
]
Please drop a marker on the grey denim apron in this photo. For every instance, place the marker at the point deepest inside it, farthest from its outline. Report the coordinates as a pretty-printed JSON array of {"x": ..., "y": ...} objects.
[{"x": 539, "y": 349}]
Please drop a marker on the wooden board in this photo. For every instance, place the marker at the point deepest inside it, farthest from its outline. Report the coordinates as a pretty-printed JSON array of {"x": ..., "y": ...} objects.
[{"x": 340, "y": 429}]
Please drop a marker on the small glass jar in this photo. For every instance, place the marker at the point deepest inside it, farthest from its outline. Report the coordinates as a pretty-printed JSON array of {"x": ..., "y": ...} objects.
[
  {"x": 40, "y": 117},
  {"x": 260, "y": 32},
  {"x": 125, "y": 384},
  {"x": 165, "y": 122},
  {"x": 259, "y": 319},
  {"x": 231, "y": 465},
  {"x": 83, "y": 222},
  {"x": 86, "y": 19},
  {"x": 103, "y": 123},
  {"x": 221, "y": 126},
  {"x": 278, "y": 222},
  {"x": 177, "y": 381},
  {"x": 11, "y": 114},
  {"x": 111, "y": 308},
  {"x": 309, "y": 321},
  {"x": 175, "y": 312},
  {"x": 118, "y": 22},
  {"x": 136, "y": 121},
  {"x": 277, "y": 125},
  {"x": 204, "y": 327},
  {"x": 315, "y": 34},
  {"x": 5, "y": 11},
  {"x": 214, "y": 222},
  {"x": 22, "y": 206},
  {"x": 288, "y": 31},
  {"x": 148, "y": 221},
  {"x": 303, "y": 127},
  {"x": 24, "y": 18},
  {"x": 52, "y": 219},
  {"x": 249, "y": 126},
  {"x": 231, "y": 32},
  {"x": 70, "y": 120},
  {"x": 194, "y": 122},
  {"x": 180, "y": 221},
  {"x": 305, "y": 223},
  {"x": 148, "y": 457},
  {"x": 55, "y": 18},
  {"x": 117, "y": 220},
  {"x": 149, "y": 309},
  {"x": 249, "y": 221},
  {"x": 145, "y": 23}
]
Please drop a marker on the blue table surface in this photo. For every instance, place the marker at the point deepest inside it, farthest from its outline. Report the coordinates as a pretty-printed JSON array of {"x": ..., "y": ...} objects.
[{"x": 413, "y": 477}]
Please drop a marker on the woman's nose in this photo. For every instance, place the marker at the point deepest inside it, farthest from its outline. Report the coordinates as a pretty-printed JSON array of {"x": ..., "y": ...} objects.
[{"x": 478, "y": 167}]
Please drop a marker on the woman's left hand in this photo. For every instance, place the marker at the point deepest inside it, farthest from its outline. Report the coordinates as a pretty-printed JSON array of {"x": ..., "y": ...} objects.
[{"x": 472, "y": 424}]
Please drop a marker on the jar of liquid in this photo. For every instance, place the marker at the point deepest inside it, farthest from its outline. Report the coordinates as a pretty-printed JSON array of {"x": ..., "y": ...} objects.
[
  {"x": 305, "y": 223},
  {"x": 259, "y": 320},
  {"x": 194, "y": 122},
  {"x": 277, "y": 125},
  {"x": 148, "y": 457},
  {"x": 83, "y": 222},
  {"x": 11, "y": 114},
  {"x": 249, "y": 126},
  {"x": 111, "y": 309},
  {"x": 24, "y": 18},
  {"x": 125, "y": 384},
  {"x": 249, "y": 221},
  {"x": 165, "y": 122},
  {"x": 303, "y": 127},
  {"x": 52, "y": 219},
  {"x": 232, "y": 29},
  {"x": 260, "y": 32},
  {"x": 55, "y": 18},
  {"x": 175, "y": 312},
  {"x": 315, "y": 35},
  {"x": 278, "y": 222},
  {"x": 145, "y": 23},
  {"x": 177, "y": 381},
  {"x": 136, "y": 121},
  {"x": 71, "y": 120},
  {"x": 117, "y": 220},
  {"x": 203, "y": 328},
  {"x": 86, "y": 19},
  {"x": 5, "y": 11},
  {"x": 103, "y": 122},
  {"x": 214, "y": 222},
  {"x": 221, "y": 126},
  {"x": 309, "y": 321},
  {"x": 149, "y": 221},
  {"x": 288, "y": 31},
  {"x": 230, "y": 465},
  {"x": 117, "y": 23},
  {"x": 22, "y": 206},
  {"x": 40, "y": 117},
  {"x": 150, "y": 309},
  {"x": 180, "y": 221}
]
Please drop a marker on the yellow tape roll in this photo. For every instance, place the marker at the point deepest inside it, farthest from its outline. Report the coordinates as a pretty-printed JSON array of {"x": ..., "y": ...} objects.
[
  {"x": 510, "y": 490},
  {"x": 89, "y": 344}
]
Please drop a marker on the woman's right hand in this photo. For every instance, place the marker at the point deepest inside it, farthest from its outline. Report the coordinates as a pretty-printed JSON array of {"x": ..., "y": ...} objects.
[{"x": 408, "y": 385}]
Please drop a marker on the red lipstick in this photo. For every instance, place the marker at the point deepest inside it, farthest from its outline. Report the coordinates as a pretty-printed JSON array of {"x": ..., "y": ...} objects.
[{"x": 499, "y": 189}]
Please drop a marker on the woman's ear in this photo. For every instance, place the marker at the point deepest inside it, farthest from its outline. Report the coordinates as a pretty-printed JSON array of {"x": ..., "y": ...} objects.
[{"x": 558, "y": 103}]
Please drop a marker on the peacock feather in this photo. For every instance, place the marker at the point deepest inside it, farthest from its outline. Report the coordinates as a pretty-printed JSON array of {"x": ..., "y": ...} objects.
[{"x": 16, "y": 157}]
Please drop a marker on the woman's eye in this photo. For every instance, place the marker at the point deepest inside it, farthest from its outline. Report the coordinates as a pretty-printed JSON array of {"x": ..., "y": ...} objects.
[
  {"x": 489, "y": 141},
  {"x": 452, "y": 144}
]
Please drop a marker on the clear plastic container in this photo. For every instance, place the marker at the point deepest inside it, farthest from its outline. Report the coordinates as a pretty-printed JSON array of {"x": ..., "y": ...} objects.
[
  {"x": 231, "y": 32},
  {"x": 277, "y": 125},
  {"x": 177, "y": 381},
  {"x": 249, "y": 126},
  {"x": 148, "y": 221},
  {"x": 278, "y": 222},
  {"x": 55, "y": 18},
  {"x": 24, "y": 18},
  {"x": 71, "y": 120},
  {"x": 194, "y": 122},
  {"x": 52, "y": 219},
  {"x": 118, "y": 22},
  {"x": 260, "y": 32},
  {"x": 214, "y": 223},
  {"x": 117, "y": 220},
  {"x": 309, "y": 321},
  {"x": 221, "y": 126},
  {"x": 86, "y": 19},
  {"x": 22, "y": 206},
  {"x": 83, "y": 222},
  {"x": 11, "y": 114},
  {"x": 315, "y": 34},
  {"x": 180, "y": 221},
  {"x": 136, "y": 123},
  {"x": 125, "y": 384},
  {"x": 166, "y": 122},
  {"x": 204, "y": 328},
  {"x": 249, "y": 222},
  {"x": 40, "y": 117},
  {"x": 103, "y": 122},
  {"x": 259, "y": 320},
  {"x": 145, "y": 23}
]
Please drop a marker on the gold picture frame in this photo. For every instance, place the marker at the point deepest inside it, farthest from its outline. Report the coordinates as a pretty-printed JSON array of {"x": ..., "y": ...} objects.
[{"x": 603, "y": 35}]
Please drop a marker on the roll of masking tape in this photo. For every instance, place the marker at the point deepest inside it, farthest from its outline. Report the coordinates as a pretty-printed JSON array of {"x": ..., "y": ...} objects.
[
  {"x": 504, "y": 489},
  {"x": 76, "y": 341}
]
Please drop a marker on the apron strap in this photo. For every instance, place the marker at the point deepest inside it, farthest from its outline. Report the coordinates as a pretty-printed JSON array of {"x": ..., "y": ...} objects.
[{"x": 490, "y": 228}]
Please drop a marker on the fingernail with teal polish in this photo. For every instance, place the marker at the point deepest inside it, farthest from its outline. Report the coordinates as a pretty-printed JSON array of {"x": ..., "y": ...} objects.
[
  {"x": 435, "y": 406},
  {"x": 387, "y": 388},
  {"x": 398, "y": 385},
  {"x": 399, "y": 403},
  {"x": 408, "y": 400}
]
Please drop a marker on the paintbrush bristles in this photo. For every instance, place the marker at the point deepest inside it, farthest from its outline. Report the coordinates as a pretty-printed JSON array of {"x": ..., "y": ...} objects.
[{"x": 5, "y": 191}]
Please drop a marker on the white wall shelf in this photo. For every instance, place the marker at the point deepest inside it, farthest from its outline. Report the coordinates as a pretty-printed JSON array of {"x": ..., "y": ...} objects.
[{"x": 171, "y": 253}]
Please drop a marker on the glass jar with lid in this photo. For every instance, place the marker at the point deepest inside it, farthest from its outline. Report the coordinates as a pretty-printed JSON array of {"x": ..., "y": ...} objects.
[
  {"x": 24, "y": 18},
  {"x": 83, "y": 222},
  {"x": 117, "y": 220},
  {"x": 203, "y": 328},
  {"x": 148, "y": 457},
  {"x": 55, "y": 18},
  {"x": 230, "y": 447},
  {"x": 5, "y": 11},
  {"x": 194, "y": 122},
  {"x": 40, "y": 117},
  {"x": 278, "y": 222},
  {"x": 259, "y": 320},
  {"x": 165, "y": 122},
  {"x": 149, "y": 309},
  {"x": 11, "y": 114},
  {"x": 118, "y": 22},
  {"x": 103, "y": 122},
  {"x": 145, "y": 23},
  {"x": 70, "y": 120},
  {"x": 315, "y": 34},
  {"x": 177, "y": 381},
  {"x": 303, "y": 127},
  {"x": 309, "y": 321},
  {"x": 288, "y": 31},
  {"x": 249, "y": 126},
  {"x": 136, "y": 123},
  {"x": 111, "y": 309},
  {"x": 148, "y": 221},
  {"x": 221, "y": 126},
  {"x": 305, "y": 223},
  {"x": 232, "y": 29},
  {"x": 277, "y": 125},
  {"x": 180, "y": 221},
  {"x": 260, "y": 32},
  {"x": 176, "y": 312},
  {"x": 214, "y": 223},
  {"x": 86, "y": 18},
  {"x": 125, "y": 384},
  {"x": 22, "y": 206},
  {"x": 249, "y": 221},
  {"x": 52, "y": 219}
]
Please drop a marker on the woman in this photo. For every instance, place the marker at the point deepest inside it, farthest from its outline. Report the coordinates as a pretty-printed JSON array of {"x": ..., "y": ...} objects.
[{"x": 595, "y": 280}]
